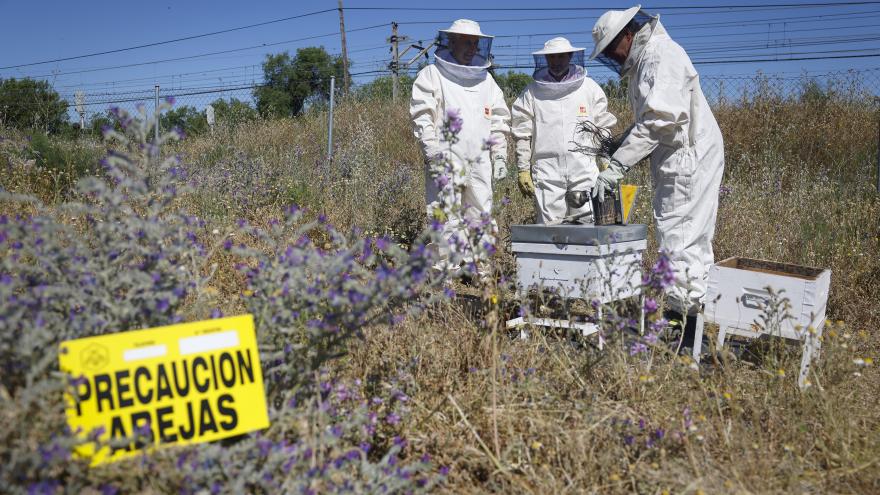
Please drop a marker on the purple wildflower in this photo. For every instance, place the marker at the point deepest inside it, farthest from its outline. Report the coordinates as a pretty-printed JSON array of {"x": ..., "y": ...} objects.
[
  {"x": 637, "y": 348},
  {"x": 454, "y": 121},
  {"x": 662, "y": 274},
  {"x": 441, "y": 181},
  {"x": 492, "y": 141}
]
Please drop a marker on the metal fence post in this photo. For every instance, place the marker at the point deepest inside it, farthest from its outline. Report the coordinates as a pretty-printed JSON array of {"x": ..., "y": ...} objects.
[
  {"x": 330, "y": 119},
  {"x": 157, "y": 115}
]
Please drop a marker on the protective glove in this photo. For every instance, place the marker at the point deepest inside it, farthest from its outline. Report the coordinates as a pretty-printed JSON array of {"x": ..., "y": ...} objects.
[
  {"x": 500, "y": 165},
  {"x": 608, "y": 179},
  {"x": 525, "y": 182}
]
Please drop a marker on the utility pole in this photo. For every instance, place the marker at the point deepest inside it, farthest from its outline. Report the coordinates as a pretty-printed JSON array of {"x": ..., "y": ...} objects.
[
  {"x": 395, "y": 61},
  {"x": 396, "y": 64},
  {"x": 346, "y": 80}
]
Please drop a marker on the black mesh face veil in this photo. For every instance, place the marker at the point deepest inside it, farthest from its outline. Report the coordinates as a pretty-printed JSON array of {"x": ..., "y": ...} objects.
[
  {"x": 463, "y": 49},
  {"x": 542, "y": 63},
  {"x": 635, "y": 25}
]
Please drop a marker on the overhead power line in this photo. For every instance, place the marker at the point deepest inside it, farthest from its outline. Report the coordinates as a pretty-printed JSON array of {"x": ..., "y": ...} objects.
[
  {"x": 706, "y": 49},
  {"x": 702, "y": 25},
  {"x": 219, "y": 52},
  {"x": 176, "y": 40},
  {"x": 777, "y": 59},
  {"x": 733, "y": 61},
  {"x": 317, "y": 12},
  {"x": 646, "y": 7}
]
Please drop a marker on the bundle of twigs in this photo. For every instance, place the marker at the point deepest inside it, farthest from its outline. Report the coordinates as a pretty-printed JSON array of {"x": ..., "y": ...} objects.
[{"x": 602, "y": 142}]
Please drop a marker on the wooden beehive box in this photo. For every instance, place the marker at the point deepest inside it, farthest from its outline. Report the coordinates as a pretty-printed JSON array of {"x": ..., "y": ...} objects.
[{"x": 740, "y": 290}]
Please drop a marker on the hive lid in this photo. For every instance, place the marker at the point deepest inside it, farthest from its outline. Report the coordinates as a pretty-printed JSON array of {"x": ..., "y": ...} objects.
[{"x": 587, "y": 235}]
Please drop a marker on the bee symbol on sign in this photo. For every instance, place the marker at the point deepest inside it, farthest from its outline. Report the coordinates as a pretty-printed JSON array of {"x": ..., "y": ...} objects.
[{"x": 94, "y": 357}]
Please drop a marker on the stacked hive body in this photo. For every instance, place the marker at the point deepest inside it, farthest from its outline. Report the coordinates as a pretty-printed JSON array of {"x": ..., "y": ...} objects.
[{"x": 580, "y": 261}]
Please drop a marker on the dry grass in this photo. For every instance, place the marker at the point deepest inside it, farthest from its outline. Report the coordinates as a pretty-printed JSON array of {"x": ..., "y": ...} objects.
[
  {"x": 799, "y": 189},
  {"x": 562, "y": 411}
]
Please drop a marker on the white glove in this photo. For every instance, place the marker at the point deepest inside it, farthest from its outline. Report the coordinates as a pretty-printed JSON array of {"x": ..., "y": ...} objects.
[
  {"x": 500, "y": 165},
  {"x": 608, "y": 179}
]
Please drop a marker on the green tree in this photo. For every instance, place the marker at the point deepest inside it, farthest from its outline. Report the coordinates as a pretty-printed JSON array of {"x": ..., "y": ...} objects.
[
  {"x": 812, "y": 92},
  {"x": 99, "y": 121},
  {"x": 512, "y": 83},
  {"x": 233, "y": 111},
  {"x": 30, "y": 104},
  {"x": 616, "y": 89},
  {"x": 381, "y": 87},
  {"x": 186, "y": 118},
  {"x": 293, "y": 81}
]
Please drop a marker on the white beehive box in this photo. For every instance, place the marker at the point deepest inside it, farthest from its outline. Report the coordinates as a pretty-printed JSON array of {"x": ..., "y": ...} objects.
[
  {"x": 739, "y": 293},
  {"x": 580, "y": 261}
]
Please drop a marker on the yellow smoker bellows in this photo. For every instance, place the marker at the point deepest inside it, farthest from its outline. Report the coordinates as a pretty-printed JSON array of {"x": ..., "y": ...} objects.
[{"x": 627, "y": 194}]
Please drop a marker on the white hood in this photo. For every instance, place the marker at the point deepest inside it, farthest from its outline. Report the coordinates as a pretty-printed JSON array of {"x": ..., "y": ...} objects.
[
  {"x": 465, "y": 75},
  {"x": 545, "y": 89},
  {"x": 639, "y": 42}
]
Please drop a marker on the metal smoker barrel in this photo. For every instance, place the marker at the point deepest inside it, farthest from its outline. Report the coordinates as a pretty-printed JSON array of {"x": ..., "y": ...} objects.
[{"x": 607, "y": 212}]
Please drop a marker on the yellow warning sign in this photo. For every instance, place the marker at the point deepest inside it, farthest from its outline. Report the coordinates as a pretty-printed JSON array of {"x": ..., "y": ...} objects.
[
  {"x": 628, "y": 194},
  {"x": 174, "y": 385}
]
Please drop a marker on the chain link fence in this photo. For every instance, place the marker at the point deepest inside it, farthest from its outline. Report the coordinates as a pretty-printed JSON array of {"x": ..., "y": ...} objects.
[{"x": 850, "y": 85}]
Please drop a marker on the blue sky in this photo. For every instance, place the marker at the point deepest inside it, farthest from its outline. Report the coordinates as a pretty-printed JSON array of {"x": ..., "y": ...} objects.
[{"x": 38, "y": 31}]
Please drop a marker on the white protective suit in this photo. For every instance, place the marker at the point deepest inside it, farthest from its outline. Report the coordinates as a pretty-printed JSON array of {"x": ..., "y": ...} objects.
[
  {"x": 544, "y": 124},
  {"x": 446, "y": 85},
  {"x": 675, "y": 126}
]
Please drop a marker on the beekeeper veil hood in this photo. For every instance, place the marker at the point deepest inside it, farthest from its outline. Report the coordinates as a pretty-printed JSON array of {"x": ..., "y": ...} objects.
[
  {"x": 559, "y": 68},
  {"x": 611, "y": 25},
  {"x": 463, "y": 51}
]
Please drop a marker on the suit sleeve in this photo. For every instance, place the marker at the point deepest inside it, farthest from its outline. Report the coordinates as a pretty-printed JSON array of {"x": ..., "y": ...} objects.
[
  {"x": 500, "y": 126},
  {"x": 523, "y": 124},
  {"x": 666, "y": 107},
  {"x": 424, "y": 110}
]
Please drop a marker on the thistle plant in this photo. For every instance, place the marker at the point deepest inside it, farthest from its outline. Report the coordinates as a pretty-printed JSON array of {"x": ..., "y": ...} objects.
[
  {"x": 316, "y": 295},
  {"x": 124, "y": 254},
  {"x": 120, "y": 255}
]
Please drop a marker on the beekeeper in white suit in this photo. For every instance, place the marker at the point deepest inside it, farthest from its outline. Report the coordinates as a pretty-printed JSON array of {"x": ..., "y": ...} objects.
[
  {"x": 676, "y": 128},
  {"x": 459, "y": 80},
  {"x": 545, "y": 125}
]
